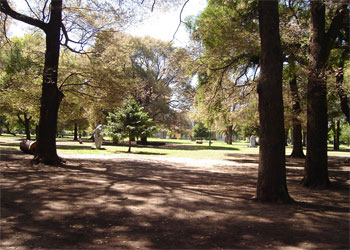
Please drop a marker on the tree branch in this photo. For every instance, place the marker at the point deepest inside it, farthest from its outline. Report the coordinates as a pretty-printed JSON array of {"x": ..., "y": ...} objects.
[
  {"x": 336, "y": 25},
  {"x": 30, "y": 8},
  {"x": 181, "y": 22},
  {"x": 6, "y": 9}
]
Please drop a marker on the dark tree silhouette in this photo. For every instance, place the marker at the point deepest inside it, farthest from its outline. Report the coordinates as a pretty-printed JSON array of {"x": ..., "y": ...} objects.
[
  {"x": 321, "y": 43},
  {"x": 296, "y": 123},
  {"x": 271, "y": 185},
  {"x": 51, "y": 96}
]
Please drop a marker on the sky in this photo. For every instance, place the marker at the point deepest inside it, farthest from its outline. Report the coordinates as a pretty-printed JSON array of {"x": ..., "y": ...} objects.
[
  {"x": 160, "y": 25},
  {"x": 163, "y": 25}
]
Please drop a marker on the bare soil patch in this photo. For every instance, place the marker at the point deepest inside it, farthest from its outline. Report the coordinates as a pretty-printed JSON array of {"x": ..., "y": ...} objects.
[{"x": 142, "y": 202}]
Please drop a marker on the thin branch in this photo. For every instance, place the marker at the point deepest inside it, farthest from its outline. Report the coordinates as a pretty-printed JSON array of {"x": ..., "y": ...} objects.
[
  {"x": 84, "y": 94},
  {"x": 181, "y": 22},
  {"x": 65, "y": 80},
  {"x": 87, "y": 83},
  {"x": 5, "y": 33},
  {"x": 43, "y": 10},
  {"x": 30, "y": 8},
  {"x": 154, "y": 2},
  {"x": 67, "y": 40}
]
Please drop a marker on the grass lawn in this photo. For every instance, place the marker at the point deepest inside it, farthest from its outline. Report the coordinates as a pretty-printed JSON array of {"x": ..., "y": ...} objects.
[{"x": 173, "y": 148}]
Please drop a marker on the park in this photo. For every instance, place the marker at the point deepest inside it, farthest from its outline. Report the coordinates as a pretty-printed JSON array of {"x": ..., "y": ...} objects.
[
  {"x": 160, "y": 198},
  {"x": 236, "y": 137}
]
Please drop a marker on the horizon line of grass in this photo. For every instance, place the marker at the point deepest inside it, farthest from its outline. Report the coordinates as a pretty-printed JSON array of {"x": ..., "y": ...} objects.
[{"x": 182, "y": 148}]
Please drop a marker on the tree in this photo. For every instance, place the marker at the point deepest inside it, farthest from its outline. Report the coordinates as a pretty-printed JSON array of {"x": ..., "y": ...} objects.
[
  {"x": 294, "y": 41},
  {"x": 200, "y": 131},
  {"x": 50, "y": 19},
  {"x": 271, "y": 185},
  {"x": 51, "y": 96},
  {"x": 321, "y": 43},
  {"x": 151, "y": 81},
  {"x": 19, "y": 82},
  {"x": 297, "y": 151},
  {"x": 130, "y": 121},
  {"x": 228, "y": 63}
]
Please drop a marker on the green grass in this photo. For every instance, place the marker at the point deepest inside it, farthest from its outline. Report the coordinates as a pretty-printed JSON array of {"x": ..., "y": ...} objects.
[
  {"x": 173, "y": 148},
  {"x": 179, "y": 148}
]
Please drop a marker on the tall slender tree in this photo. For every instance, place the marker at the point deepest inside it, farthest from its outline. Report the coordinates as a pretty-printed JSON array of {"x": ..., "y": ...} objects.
[
  {"x": 296, "y": 121},
  {"x": 321, "y": 43},
  {"x": 271, "y": 184}
]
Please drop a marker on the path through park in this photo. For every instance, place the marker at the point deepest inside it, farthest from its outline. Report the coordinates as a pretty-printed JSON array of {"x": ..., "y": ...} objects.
[{"x": 130, "y": 202}]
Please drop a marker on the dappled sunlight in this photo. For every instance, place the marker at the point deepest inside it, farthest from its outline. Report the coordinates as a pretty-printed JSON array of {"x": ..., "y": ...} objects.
[{"x": 131, "y": 203}]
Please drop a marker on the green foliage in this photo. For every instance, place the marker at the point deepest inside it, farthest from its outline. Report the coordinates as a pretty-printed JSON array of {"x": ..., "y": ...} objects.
[
  {"x": 20, "y": 78},
  {"x": 129, "y": 120},
  {"x": 200, "y": 131},
  {"x": 345, "y": 133}
]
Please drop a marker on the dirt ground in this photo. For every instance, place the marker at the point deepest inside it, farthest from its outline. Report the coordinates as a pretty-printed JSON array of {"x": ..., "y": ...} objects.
[{"x": 133, "y": 201}]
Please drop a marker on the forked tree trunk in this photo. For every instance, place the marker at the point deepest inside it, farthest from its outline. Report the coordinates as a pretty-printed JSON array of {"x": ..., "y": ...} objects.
[
  {"x": 26, "y": 123},
  {"x": 296, "y": 123},
  {"x": 51, "y": 96},
  {"x": 271, "y": 184}
]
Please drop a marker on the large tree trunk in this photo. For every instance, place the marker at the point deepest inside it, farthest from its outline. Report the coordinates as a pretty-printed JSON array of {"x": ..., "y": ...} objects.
[
  {"x": 321, "y": 43},
  {"x": 316, "y": 169},
  {"x": 296, "y": 123},
  {"x": 51, "y": 96},
  {"x": 271, "y": 184}
]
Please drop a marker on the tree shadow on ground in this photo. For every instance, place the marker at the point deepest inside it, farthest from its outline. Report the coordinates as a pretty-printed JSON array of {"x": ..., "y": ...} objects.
[
  {"x": 153, "y": 205},
  {"x": 138, "y": 153},
  {"x": 73, "y": 147}
]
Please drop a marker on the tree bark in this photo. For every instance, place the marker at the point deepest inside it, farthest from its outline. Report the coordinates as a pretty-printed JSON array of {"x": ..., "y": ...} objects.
[
  {"x": 229, "y": 134},
  {"x": 336, "y": 134},
  {"x": 297, "y": 151},
  {"x": 75, "y": 131},
  {"x": 316, "y": 168},
  {"x": 129, "y": 149},
  {"x": 51, "y": 96},
  {"x": 344, "y": 99},
  {"x": 271, "y": 184},
  {"x": 321, "y": 43}
]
